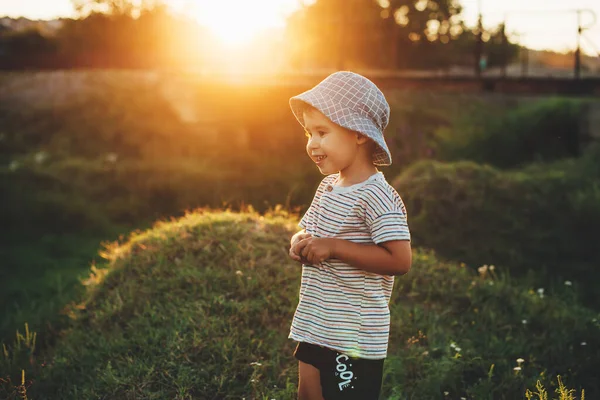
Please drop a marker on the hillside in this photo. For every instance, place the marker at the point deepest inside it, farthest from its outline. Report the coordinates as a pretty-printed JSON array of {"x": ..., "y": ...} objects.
[{"x": 199, "y": 307}]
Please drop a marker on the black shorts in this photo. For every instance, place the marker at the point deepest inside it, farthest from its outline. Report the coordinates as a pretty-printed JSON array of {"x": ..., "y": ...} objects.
[{"x": 343, "y": 377}]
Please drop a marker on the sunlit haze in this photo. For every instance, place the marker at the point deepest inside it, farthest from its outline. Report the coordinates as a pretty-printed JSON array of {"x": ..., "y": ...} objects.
[
  {"x": 238, "y": 21},
  {"x": 539, "y": 24}
]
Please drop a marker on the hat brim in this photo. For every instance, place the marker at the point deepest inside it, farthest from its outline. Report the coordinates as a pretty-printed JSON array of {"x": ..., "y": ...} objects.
[{"x": 344, "y": 117}]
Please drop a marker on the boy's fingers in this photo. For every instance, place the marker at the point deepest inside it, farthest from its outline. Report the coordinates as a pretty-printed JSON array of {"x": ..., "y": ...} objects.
[
  {"x": 300, "y": 246},
  {"x": 294, "y": 256},
  {"x": 305, "y": 252}
]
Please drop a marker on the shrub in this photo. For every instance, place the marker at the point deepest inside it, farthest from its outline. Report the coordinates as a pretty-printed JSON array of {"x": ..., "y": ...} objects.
[
  {"x": 545, "y": 130},
  {"x": 538, "y": 219}
]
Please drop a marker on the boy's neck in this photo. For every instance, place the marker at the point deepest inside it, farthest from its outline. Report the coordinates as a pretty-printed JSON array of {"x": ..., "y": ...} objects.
[{"x": 356, "y": 173}]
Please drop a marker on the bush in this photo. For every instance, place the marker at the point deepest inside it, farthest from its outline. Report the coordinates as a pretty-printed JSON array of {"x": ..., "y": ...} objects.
[
  {"x": 545, "y": 130},
  {"x": 75, "y": 194},
  {"x": 538, "y": 219},
  {"x": 200, "y": 307}
]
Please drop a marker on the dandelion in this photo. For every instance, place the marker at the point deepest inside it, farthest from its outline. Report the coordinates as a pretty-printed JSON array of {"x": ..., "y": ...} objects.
[
  {"x": 568, "y": 283},
  {"x": 524, "y": 322},
  {"x": 583, "y": 343}
]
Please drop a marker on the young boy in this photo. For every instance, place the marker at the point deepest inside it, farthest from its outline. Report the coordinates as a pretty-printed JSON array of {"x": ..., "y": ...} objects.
[{"x": 355, "y": 238}]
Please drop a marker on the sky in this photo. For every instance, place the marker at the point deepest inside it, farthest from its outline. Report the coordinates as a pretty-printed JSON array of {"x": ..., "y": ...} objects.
[{"x": 539, "y": 24}]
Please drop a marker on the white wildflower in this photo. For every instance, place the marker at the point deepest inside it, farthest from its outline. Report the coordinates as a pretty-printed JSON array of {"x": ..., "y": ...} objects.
[
  {"x": 524, "y": 321},
  {"x": 517, "y": 368},
  {"x": 491, "y": 283},
  {"x": 583, "y": 343},
  {"x": 492, "y": 268},
  {"x": 40, "y": 157},
  {"x": 238, "y": 272},
  {"x": 14, "y": 165},
  {"x": 256, "y": 363},
  {"x": 112, "y": 157},
  {"x": 568, "y": 283},
  {"x": 458, "y": 349},
  {"x": 446, "y": 393},
  {"x": 540, "y": 292},
  {"x": 483, "y": 269},
  {"x": 520, "y": 361},
  {"x": 453, "y": 345}
]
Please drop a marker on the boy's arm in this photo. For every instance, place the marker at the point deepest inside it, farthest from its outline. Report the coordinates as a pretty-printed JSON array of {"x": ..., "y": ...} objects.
[{"x": 388, "y": 258}]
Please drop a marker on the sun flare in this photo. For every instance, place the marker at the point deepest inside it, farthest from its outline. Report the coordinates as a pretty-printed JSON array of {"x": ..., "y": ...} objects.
[{"x": 237, "y": 22}]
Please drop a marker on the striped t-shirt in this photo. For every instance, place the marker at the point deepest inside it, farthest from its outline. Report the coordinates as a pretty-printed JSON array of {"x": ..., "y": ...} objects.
[{"x": 342, "y": 307}]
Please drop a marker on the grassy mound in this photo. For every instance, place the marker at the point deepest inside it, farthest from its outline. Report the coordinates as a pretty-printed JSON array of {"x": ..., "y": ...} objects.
[{"x": 200, "y": 307}]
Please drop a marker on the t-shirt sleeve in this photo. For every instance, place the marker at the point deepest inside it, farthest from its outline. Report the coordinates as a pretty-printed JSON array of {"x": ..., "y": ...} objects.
[
  {"x": 385, "y": 215},
  {"x": 309, "y": 215}
]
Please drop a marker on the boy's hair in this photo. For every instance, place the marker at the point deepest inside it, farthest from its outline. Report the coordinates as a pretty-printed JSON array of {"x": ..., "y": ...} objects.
[{"x": 353, "y": 102}]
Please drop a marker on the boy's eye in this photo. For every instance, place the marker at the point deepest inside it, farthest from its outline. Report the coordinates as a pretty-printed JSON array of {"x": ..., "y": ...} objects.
[{"x": 322, "y": 133}]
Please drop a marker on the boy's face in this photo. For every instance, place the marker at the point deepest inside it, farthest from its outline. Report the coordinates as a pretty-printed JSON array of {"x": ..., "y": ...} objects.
[{"x": 331, "y": 147}]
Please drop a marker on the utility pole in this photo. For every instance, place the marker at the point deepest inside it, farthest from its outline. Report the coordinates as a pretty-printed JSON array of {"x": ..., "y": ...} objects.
[
  {"x": 578, "y": 50},
  {"x": 504, "y": 48},
  {"x": 479, "y": 42},
  {"x": 524, "y": 61}
]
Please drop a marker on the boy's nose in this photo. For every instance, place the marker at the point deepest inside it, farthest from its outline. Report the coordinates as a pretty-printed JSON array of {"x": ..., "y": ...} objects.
[{"x": 313, "y": 143}]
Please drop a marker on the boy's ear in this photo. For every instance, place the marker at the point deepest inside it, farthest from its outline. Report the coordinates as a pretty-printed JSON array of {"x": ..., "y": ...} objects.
[{"x": 361, "y": 139}]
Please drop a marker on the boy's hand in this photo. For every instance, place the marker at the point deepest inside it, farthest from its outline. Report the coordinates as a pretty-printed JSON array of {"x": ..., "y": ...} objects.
[
  {"x": 314, "y": 250},
  {"x": 295, "y": 239}
]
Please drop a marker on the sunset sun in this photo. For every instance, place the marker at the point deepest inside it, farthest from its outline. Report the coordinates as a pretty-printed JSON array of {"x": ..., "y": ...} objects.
[{"x": 236, "y": 22}]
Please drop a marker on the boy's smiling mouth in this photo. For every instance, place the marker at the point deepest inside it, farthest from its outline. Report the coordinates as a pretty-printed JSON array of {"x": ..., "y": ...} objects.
[{"x": 319, "y": 159}]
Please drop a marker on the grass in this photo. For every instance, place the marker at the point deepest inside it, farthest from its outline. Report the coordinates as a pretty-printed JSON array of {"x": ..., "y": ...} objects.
[{"x": 200, "y": 307}]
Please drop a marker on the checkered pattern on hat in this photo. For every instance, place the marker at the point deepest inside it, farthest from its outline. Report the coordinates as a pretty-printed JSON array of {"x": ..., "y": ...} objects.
[{"x": 353, "y": 102}]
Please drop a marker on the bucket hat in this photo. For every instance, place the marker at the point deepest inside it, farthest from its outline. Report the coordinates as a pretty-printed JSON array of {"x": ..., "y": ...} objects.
[{"x": 353, "y": 102}]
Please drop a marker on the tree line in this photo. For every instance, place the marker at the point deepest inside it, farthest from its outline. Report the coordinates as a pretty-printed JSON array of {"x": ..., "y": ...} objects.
[{"x": 379, "y": 34}]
